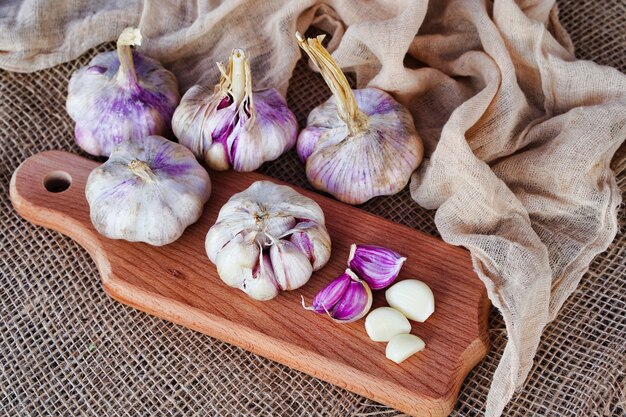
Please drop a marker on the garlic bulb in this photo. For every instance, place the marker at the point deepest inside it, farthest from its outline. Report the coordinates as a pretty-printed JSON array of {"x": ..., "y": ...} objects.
[
  {"x": 230, "y": 126},
  {"x": 376, "y": 265},
  {"x": 345, "y": 299},
  {"x": 268, "y": 238},
  {"x": 149, "y": 190},
  {"x": 359, "y": 144},
  {"x": 119, "y": 96}
]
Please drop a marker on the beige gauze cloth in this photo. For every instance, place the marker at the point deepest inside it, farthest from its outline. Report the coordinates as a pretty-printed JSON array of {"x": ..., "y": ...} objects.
[{"x": 519, "y": 135}]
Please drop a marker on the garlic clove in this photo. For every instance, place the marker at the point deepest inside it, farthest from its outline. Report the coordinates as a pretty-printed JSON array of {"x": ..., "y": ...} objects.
[
  {"x": 330, "y": 295},
  {"x": 345, "y": 299},
  {"x": 292, "y": 268},
  {"x": 217, "y": 238},
  {"x": 355, "y": 303},
  {"x": 216, "y": 157},
  {"x": 313, "y": 240},
  {"x": 236, "y": 261},
  {"x": 261, "y": 285},
  {"x": 413, "y": 298},
  {"x": 403, "y": 346},
  {"x": 378, "y": 266},
  {"x": 384, "y": 323}
]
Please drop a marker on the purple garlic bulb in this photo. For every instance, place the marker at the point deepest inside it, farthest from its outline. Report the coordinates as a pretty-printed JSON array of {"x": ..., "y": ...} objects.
[
  {"x": 376, "y": 265},
  {"x": 120, "y": 96},
  {"x": 230, "y": 126},
  {"x": 149, "y": 190},
  {"x": 346, "y": 299},
  {"x": 268, "y": 238},
  {"x": 359, "y": 144}
]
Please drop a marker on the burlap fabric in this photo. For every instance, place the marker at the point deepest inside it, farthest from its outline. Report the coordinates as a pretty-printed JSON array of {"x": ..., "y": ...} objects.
[{"x": 69, "y": 350}]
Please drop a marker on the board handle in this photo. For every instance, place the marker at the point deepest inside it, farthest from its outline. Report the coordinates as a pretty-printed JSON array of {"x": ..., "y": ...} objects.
[{"x": 48, "y": 189}]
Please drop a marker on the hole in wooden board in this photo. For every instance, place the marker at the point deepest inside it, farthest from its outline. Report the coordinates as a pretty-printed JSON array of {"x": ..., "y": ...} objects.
[{"x": 57, "y": 181}]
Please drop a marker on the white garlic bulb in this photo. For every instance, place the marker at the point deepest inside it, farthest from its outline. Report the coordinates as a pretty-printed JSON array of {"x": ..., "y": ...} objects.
[
  {"x": 230, "y": 126},
  {"x": 149, "y": 190},
  {"x": 268, "y": 238},
  {"x": 359, "y": 144}
]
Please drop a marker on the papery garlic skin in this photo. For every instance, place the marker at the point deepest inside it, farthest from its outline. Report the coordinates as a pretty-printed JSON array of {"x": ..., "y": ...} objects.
[
  {"x": 250, "y": 241},
  {"x": 345, "y": 299},
  {"x": 359, "y": 144},
  {"x": 377, "y": 265},
  {"x": 231, "y": 126},
  {"x": 119, "y": 96},
  {"x": 149, "y": 190}
]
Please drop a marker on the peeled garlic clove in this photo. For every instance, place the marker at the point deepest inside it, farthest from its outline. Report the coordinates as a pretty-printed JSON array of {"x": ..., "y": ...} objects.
[
  {"x": 329, "y": 296},
  {"x": 355, "y": 303},
  {"x": 251, "y": 237},
  {"x": 236, "y": 261},
  {"x": 312, "y": 239},
  {"x": 412, "y": 298},
  {"x": 121, "y": 95},
  {"x": 378, "y": 266},
  {"x": 292, "y": 268},
  {"x": 384, "y": 323},
  {"x": 261, "y": 285},
  {"x": 231, "y": 126},
  {"x": 402, "y": 346},
  {"x": 359, "y": 144}
]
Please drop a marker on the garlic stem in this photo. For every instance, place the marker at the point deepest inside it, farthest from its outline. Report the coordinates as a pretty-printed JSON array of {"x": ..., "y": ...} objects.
[
  {"x": 126, "y": 72},
  {"x": 236, "y": 80},
  {"x": 142, "y": 170},
  {"x": 336, "y": 80},
  {"x": 238, "y": 75}
]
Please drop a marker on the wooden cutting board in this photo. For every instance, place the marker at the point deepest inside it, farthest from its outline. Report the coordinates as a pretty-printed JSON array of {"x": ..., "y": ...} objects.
[{"x": 177, "y": 282}]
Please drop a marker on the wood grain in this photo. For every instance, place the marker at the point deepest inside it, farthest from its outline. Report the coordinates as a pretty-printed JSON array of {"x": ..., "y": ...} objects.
[{"x": 177, "y": 282}]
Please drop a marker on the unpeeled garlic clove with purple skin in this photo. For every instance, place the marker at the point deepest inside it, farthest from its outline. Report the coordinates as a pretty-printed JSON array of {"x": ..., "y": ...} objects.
[
  {"x": 358, "y": 144},
  {"x": 231, "y": 126},
  {"x": 121, "y": 95},
  {"x": 345, "y": 299},
  {"x": 377, "y": 266}
]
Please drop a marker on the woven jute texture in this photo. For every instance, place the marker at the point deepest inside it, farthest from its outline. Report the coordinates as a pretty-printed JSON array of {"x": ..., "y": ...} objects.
[{"x": 67, "y": 349}]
